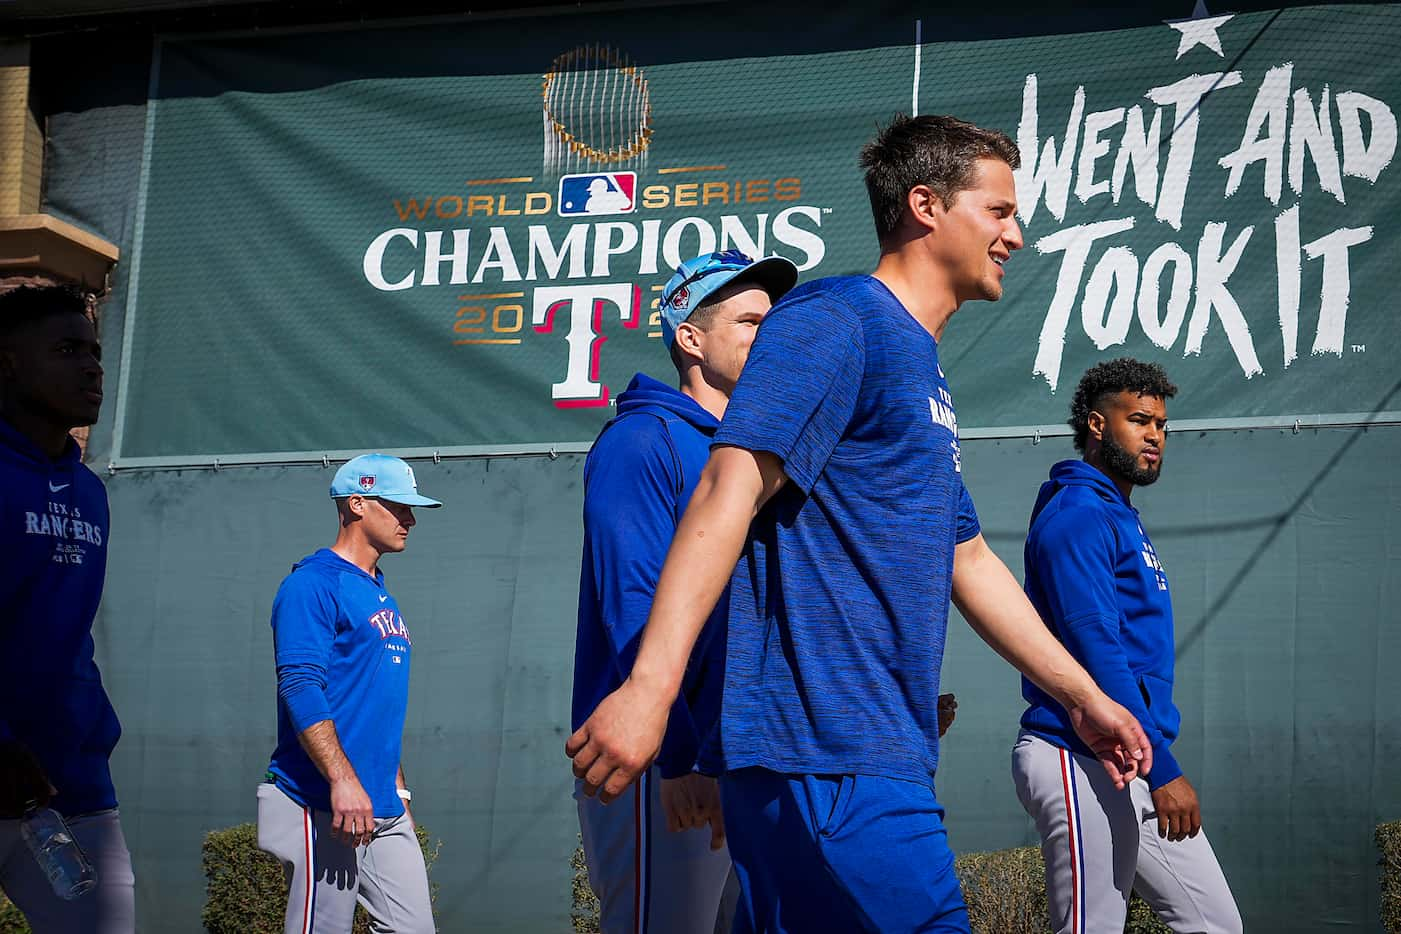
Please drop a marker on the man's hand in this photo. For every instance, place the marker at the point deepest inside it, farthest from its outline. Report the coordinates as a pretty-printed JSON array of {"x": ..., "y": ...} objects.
[
  {"x": 1179, "y": 812},
  {"x": 22, "y": 780},
  {"x": 352, "y": 814},
  {"x": 692, "y": 801},
  {"x": 619, "y": 740},
  {"x": 948, "y": 709},
  {"x": 1114, "y": 736}
]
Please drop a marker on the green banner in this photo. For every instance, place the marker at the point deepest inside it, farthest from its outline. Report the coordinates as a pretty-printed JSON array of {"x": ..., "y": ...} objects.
[{"x": 453, "y": 236}]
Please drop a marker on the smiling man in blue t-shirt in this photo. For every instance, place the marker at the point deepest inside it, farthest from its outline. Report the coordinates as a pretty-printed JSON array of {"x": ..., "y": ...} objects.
[{"x": 840, "y": 445}]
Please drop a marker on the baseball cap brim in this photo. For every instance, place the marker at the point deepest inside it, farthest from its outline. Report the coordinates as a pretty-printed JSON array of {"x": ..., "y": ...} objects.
[
  {"x": 410, "y": 499},
  {"x": 774, "y": 274}
]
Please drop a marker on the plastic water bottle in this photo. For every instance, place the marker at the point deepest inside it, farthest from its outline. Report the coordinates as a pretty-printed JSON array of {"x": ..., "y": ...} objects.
[{"x": 57, "y": 853}]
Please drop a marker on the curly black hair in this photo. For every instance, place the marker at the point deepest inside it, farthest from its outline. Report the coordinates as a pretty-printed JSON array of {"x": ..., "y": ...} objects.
[
  {"x": 26, "y": 304},
  {"x": 1113, "y": 376}
]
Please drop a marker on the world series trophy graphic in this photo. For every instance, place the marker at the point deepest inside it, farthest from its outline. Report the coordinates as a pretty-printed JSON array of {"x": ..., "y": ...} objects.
[{"x": 597, "y": 111}]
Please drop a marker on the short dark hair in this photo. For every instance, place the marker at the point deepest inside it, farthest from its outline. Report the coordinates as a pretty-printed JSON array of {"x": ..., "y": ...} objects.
[
  {"x": 1109, "y": 378},
  {"x": 938, "y": 151},
  {"x": 27, "y": 304}
]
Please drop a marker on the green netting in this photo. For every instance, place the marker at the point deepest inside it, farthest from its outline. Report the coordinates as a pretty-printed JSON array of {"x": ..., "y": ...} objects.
[{"x": 371, "y": 238}]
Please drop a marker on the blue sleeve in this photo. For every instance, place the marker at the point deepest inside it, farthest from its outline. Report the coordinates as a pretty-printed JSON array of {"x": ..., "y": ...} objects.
[
  {"x": 968, "y": 524},
  {"x": 304, "y": 617},
  {"x": 1073, "y": 551},
  {"x": 799, "y": 387},
  {"x": 630, "y": 496}
]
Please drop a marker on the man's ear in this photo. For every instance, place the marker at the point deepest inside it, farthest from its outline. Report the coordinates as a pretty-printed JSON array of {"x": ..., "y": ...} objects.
[
  {"x": 924, "y": 207},
  {"x": 689, "y": 339},
  {"x": 1095, "y": 423}
]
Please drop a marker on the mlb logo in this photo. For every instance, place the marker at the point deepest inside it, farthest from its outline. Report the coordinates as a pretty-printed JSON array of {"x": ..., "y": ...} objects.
[
  {"x": 597, "y": 194},
  {"x": 367, "y": 483}
]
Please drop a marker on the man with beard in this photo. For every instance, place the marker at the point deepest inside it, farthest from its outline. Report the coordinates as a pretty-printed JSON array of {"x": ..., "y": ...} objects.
[{"x": 1093, "y": 575}]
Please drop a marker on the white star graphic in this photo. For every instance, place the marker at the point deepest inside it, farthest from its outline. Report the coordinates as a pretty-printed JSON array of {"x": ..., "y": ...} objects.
[{"x": 1200, "y": 30}]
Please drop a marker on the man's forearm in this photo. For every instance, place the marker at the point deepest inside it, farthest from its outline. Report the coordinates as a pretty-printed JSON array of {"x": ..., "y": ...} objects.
[
  {"x": 323, "y": 746},
  {"x": 702, "y": 557},
  {"x": 989, "y": 597}
]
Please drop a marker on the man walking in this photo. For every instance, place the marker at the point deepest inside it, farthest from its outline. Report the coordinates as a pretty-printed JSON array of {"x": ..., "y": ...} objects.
[
  {"x": 637, "y": 481},
  {"x": 57, "y": 727},
  {"x": 1096, "y": 580},
  {"x": 840, "y": 445},
  {"x": 334, "y": 806}
]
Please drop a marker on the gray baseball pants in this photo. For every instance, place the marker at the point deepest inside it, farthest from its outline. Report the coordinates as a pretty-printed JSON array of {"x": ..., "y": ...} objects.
[
  {"x": 648, "y": 879},
  {"x": 326, "y": 877},
  {"x": 1100, "y": 844},
  {"x": 110, "y": 908}
]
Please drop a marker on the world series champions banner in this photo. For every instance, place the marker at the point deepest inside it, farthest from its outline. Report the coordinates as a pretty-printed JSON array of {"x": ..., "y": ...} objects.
[{"x": 452, "y": 237}]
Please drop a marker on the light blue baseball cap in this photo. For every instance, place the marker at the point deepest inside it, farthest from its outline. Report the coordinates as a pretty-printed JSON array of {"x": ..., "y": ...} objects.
[
  {"x": 697, "y": 279},
  {"x": 381, "y": 476}
]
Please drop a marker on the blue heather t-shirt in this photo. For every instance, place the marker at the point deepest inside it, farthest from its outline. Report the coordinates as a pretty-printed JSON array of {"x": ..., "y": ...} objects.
[{"x": 839, "y": 604}]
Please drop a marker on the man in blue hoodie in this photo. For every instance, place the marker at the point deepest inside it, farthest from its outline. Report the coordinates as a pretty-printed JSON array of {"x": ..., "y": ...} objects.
[
  {"x": 334, "y": 807},
  {"x": 637, "y": 481},
  {"x": 57, "y": 729},
  {"x": 1094, "y": 577}
]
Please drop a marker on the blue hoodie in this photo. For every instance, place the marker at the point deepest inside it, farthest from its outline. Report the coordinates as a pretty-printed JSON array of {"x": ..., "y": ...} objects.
[
  {"x": 637, "y": 481},
  {"x": 342, "y": 654},
  {"x": 1093, "y": 575},
  {"x": 54, "y": 524}
]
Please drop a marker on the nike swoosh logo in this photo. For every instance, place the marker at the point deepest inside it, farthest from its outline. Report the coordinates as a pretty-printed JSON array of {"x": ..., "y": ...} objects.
[
  {"x": 61, "y": 486},
  {"x": 383, "y": 597}
]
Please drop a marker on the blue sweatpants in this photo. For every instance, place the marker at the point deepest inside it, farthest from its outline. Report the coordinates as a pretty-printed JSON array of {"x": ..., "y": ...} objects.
[{"x": 839, "y": 853}]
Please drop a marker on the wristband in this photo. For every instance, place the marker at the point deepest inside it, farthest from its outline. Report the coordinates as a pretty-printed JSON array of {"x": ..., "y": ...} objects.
[{"x": 405, "y": 794}]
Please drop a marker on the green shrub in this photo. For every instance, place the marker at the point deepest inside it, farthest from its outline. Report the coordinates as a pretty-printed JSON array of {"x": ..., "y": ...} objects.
[
  {"x": 1389, "y": 843},
  {"x": 584, "y": 913},
  {"x": 11, "y": 921},
  {"x": 1142, "y": 920},
  {"x": 1006, "y": 894},
  {"x": 247, "y": 889},
  {"x": 1005, "y": 891}
]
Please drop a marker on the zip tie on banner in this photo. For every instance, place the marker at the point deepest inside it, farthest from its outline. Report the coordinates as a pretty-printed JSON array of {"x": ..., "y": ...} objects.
[
  {"x": 554, "y": 455},
  {"x": 1036, "y": 437},
  {"x": 437, "y": 458},
  {"x": 325, "y": 462}
]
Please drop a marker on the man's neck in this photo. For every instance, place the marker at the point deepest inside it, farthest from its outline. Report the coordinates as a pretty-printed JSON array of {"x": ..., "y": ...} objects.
[
  {"x": 713, "y": 400},
  {"x": 50, "y": 438},
  {"x": 353, "y": 548},
  {"x": 918, "y": 285},
  {"x": 1124, "y": 487}
]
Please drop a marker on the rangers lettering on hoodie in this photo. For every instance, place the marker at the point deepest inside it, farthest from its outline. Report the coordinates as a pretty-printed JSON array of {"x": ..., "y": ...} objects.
[{"x": 65, "y": 524}]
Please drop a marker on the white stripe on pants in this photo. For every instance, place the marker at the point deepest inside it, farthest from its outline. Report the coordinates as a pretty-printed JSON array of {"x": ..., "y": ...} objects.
[
  {"x": 110, "y": 908},
  {"x": 1100, "y": 843},
  {"x": 649, "y": 880},
  {"x": 327, "y": 877}
]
